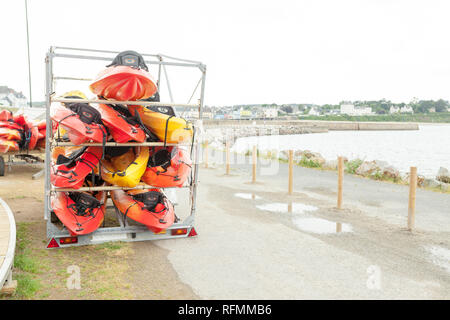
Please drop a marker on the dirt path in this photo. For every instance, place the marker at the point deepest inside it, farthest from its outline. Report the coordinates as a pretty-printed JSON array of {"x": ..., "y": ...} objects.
[{"x": 108, "y": 271}]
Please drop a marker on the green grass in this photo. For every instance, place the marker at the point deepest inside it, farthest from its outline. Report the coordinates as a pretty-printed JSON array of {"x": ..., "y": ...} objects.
[
  {"x": 25, "y": 262},
  {"x": 27, "y": 286},
  {"x": 110, "y": 245},
  {"x": 26, "y": 265},
  {"x": 352, "y": 165},
  {"x": 308, "y": 163}
]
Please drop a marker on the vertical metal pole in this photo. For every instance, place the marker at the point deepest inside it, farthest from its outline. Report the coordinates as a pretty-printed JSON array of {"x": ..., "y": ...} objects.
[
  {"x": 412, "y": 198},
  {"x": 158, "y": 83},
  {"x": 168, "y": 83},
  {"x": 28, "y": 48},
  {"x": 48, "y": 131},
  {"x": 291, "y": 163},
  {"x": 197, "y": 150},
  {"x": 340, "y": 179}
]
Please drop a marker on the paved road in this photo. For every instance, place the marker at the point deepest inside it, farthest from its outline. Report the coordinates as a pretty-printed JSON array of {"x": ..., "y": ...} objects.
[{"x": 256, "y": 242}]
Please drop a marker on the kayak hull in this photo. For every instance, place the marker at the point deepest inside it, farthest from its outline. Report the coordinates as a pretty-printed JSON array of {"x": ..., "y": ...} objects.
[
  {"x": 77, "y": 224},
  {"x": 174, "y": 175},
  {"x": 178, "y": 129},
  {"x": 78, "y": 131},
  {"x": 63, "y": 177},
  {"x": 155, "y": 222},
  {"x": 124, "y": 83},
  {"x": 120, "y": 129},
  {"x": 8, "y": 146}
]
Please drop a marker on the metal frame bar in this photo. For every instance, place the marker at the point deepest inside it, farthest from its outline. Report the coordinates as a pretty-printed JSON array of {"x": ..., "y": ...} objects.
[{"x": 124, "y": 232}]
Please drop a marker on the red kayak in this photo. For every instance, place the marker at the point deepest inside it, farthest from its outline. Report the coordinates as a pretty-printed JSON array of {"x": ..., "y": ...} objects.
[
  {"x": 32, "y": 135},
  {"x": 80, "y": 212},
  {"x": 120, "y": 129},
  {"x": 10, "y": 125},
  {"x": 8, "y": 145},
  {"x": 70, "y": 172},
  {"x": 5, "y": 115},
  {"x": 149, "y": 207},
  {"x": 9, "y": 134},
  {"x": 167, "y": 167},
  {"x": 78, "y": 131},
  {"x": 124, "y": 83}
]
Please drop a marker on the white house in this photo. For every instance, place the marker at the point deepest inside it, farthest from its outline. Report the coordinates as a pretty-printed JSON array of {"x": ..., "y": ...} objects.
[
  {"x": 270, "y": 112},
  {"x": 394, "y": 109},
  {"x": 10, "y": 98},
  {"x": 347, "y": 109},
  {"x": 351, "y": 110},
  {"x": 406, "y": 109},
  {"x": 313, "y": 112}
]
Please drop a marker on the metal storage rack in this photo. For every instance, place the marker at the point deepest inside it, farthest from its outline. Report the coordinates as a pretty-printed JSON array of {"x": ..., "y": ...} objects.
[{"x": 125, "y": 232}]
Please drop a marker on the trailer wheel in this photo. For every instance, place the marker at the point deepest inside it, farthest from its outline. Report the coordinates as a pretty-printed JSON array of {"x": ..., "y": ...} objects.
[
  {"x": 53, "y": 217},
  {"x": 2, "y": 166}
]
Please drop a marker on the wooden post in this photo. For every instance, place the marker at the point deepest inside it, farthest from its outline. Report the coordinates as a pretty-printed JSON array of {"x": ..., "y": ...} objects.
[
  {"x": 255, "y": 159},
  {"x": 291, "y": 163},
  {"x": 206, "y": 154},
  {"x": 412, "y": 197},
  {"x": 340, "y": 179},
  {"x": 227, "y": 154},
  {"x": 338, "y": 227}
]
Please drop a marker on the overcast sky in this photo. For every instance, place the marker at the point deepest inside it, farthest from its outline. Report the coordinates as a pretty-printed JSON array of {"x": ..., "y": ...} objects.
[{"x": 318, "y": 51}]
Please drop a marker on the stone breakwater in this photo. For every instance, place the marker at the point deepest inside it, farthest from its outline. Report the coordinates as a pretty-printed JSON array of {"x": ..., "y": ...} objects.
[
  {"x": 222, "y": 133},
  {"x": 317, "y": 124}
]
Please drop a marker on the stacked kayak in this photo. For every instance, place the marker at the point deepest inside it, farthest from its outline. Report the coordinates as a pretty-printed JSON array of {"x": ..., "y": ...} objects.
[
  {"x": 18, "y": 133},
  {"x": 142, "y": 172}
]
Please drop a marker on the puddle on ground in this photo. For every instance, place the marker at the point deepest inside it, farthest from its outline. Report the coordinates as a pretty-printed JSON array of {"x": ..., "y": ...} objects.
[
  {"x": 247, "y": 196},
  {"x": 440, "y": 256},
  {"x": 305, "y": 222},
  {"x": 321, "y": 226},
  {"x": 294, "y": 207}
]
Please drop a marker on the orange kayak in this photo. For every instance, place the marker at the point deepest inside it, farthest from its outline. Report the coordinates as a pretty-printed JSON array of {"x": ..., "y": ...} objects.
[
  {"x": 167, "y": 167},
  {"x": 9, "y": 134},
  {"x": 124, "y": 83},
  {"x": 81, "y": 212},
  {"x": 149, "y": 207},
  {"x": 78, "y": 131},
  {"x": 5, "y": 115},
  {"x": 70, "y": 171},
  {"x": 120, "y": 129},
  {"x": 8, "y": 145}
]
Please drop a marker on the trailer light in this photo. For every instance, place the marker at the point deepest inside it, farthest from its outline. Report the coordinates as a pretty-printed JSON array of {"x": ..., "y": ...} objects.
[
  {"x": 193, "y": 233},
  {"x": 53, "y": 244},
  {"x": 68, "y": 240},
  {"x": 178, "y": 232}
]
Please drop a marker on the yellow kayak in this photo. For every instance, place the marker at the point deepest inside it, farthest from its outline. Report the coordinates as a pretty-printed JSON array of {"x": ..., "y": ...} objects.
[
  {"x": 178, "y": 129},
  {"x": 126, "y": 170}
]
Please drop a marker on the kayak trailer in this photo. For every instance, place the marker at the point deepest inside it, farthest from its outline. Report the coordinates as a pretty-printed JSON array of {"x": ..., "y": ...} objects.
[
  {"x": 27, "y": 157},
  {"x": 124, "y": 230}
]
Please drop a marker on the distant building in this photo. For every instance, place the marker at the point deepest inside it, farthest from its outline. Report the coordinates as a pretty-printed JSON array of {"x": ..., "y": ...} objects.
[
  {"x": 313, "y": 112},
  {"x": 351, "y": 110},
  {"x": 406, "y": 109},
  {"x": 432, "y": 109},
  {"x": 347, "y": 109},
  {"x": 270, "y": 113},
  {"x": 394, "y": 109},
  {"x": 11, "y": 98},
  {"x": 245, "y": 114}
]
